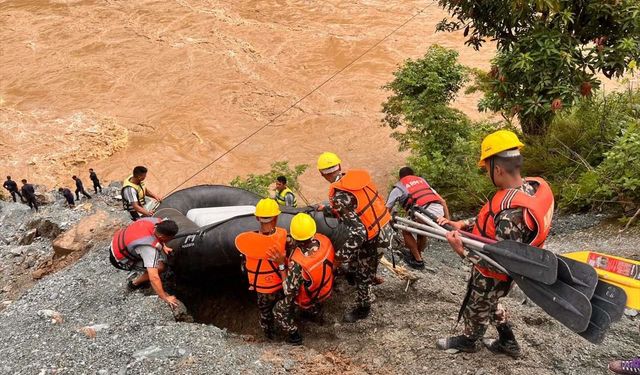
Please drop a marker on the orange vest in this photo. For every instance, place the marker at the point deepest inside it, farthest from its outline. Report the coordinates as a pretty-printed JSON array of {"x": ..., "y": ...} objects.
[
  {"x": 420, "y": 193},
  {"x": 538, "y": 213},
  {"x": 317, "y": 272},
  {"x": 371, "y": 209},
  {"x": 138, "y": 233},
  {"x": 264, "y": 276}
]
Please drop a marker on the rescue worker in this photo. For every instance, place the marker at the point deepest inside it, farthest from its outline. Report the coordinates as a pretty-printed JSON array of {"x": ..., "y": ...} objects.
[
  {"x": 308, "y": 276},
  {"x": 134, "y": 193},
  {"x": 12, "y": 188},
  {"x": 412, "y": 192},
  {"x": 29, "y": 194},
  {"x": 520, "y": 210},
  {"x": 142, "y": 246},
  {"x": 355, "y": 201},
  {"x": 80, "y": 188},
  {"x": 264, "y": 275},
  {"x": 284, "y": 196},
  {"x": 96, "y": 182},
  {"x": 68, "y": 196}
]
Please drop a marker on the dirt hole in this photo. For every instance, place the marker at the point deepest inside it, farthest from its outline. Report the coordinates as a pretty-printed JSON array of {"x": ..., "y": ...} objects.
[{"x": 225, "y": 303}]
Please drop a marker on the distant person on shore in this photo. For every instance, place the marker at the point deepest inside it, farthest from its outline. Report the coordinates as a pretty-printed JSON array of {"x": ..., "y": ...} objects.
[
  {"x": 12, "y": 187},
  {"x": 68, "y": 195},
  {"x": 134, "y": 193},
  {"x": 29, "y": 194},
  {"x": 80, "y": 188},
  {"x": 284, "y": 195},
  {"x": 142, "y": 246},
  {"x": 96, "y": 182}
]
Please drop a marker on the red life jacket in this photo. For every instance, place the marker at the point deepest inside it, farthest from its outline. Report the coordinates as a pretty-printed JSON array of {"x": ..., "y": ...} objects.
[
  {"x": 317, "y": 272},
  {"x": 264, "y": 276},
  {"x": 420, "y": 193},
  {"x": 371, "y": 209},
  {"x": 537, "y": 209},
  {"x": 138, "y": 233}
]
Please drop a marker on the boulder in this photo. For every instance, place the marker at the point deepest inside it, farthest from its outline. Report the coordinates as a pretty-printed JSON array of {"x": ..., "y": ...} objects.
[
  {"x": 45, "y": 228},
  {"x": 43, "y": 196},
  {"x": 84, "y": 234}
]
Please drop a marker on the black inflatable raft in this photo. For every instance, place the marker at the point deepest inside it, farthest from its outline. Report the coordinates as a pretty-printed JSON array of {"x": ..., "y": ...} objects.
[{"x": 210, "y": 217}]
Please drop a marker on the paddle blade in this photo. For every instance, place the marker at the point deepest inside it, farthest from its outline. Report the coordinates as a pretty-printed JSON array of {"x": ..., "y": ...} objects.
[
  {"x": 598, "y": 325},
  {"x": 560, "y": 301},
  {"x": 580, "y": 276},
  {"x": 534, "y": 263},
  {"x": 610, "y": 298}
]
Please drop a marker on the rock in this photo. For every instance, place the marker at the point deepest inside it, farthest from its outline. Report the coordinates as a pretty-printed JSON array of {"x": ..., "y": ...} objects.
[
  {"x": 56, "y": 317},
  {"x": 288, "y": 365},
  {"x": 157, "y": 352},
  {"x": 91, "y": 331},
  {"x": 16, "y": 251},
  {"x": 45, "y": 228},
  {"x": 43, "y": 196},
  {"x": 82, "y": 235},
  {"x": 180, "y": 313},
  {"x": 631, "y": 312},
  {"x": 27, "y": 238}
]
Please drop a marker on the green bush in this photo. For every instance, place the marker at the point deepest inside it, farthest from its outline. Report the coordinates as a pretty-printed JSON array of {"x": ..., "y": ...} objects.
[
  {"x": 260, "y": 183},
  {"x": 443, "y": 142},
  {"x": 578, "y": 155}
]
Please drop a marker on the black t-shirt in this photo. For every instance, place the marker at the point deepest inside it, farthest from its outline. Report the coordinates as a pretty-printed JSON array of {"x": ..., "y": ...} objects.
[
  {"x": 10, "y": 185},
  {"x": 67, "y": 194},
  {"x": 93, "y": 176},
  {"x": 78, "y": 183},
  {"x": 28, "y": 191}
]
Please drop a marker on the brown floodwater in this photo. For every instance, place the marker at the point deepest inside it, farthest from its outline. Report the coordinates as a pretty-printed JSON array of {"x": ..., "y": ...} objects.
[{"x": 174, "y": 84}]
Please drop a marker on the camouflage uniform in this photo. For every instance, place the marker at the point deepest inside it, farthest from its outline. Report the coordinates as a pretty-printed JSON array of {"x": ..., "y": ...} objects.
[
  {"x": 266, "y": 303},
  {"x": 483, "y": 306},
  {"x": 284, "y": 311},
  {"x": 361, "y": 254}
]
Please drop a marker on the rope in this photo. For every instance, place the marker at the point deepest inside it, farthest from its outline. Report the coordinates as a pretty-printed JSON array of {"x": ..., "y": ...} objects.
[{"x": 243, "y": 140}]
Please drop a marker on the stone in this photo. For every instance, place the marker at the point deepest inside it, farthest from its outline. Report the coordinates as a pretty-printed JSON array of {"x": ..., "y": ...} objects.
[
  {"x": 28, "y": 237},
  {"x": 16, "y": 252},
  {"x": 56, "y": 317},
  {"x": 45, "y": 228},
  {"x": 81, "y": 236},
  {"x": 157, "y": 352},
  {"x": 631, "y": 312}
]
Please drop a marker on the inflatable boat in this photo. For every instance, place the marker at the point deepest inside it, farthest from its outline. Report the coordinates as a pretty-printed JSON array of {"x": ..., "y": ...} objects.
[{"x": 210, "y": 217}]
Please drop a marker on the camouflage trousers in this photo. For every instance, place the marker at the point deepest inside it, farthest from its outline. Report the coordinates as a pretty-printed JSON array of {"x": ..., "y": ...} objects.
[
  {"x": 266, "y": 303},
  {"x": 483, "y": 306},
  {"x": 285, "y": 314},
  {"x": 363, "y": 262}
]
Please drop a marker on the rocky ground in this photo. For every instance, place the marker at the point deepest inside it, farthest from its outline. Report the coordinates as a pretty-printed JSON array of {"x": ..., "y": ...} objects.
[{"x": 79, "y": 319}]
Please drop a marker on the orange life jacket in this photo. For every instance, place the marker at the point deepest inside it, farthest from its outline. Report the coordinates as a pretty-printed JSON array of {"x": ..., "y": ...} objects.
[
  {"x": 537, "y": 209},
  {"x": 420, "y": 193},
  {"x": 371, "y": 209},
  {"x": 138, "y": 233},
  {"x": 264, "y": 276},
  {"x": 317, "y": 273}
]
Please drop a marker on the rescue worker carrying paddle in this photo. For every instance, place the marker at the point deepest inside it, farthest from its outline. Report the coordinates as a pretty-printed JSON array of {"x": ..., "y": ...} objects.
[
  {"x": 308, "y": 277},
  {"x": 413, "y": 192},
  {"x": 264, "y": 274},
  {"x": 355, "y": 201},
  {"x": 142, "y": 246},
  {"x": 520, "y": 210}
]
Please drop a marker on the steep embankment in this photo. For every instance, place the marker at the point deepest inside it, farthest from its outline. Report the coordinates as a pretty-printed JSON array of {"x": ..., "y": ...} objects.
[{"x": 81, "y": 319}]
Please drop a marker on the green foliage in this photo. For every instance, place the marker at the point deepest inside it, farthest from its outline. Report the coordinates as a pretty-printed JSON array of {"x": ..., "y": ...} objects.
[
  {"x": 549, "y": 51},
  {"x": 590, "y": 154},
  {"x": 260, "y": 183},
  {"x": 442, "y": 141}
]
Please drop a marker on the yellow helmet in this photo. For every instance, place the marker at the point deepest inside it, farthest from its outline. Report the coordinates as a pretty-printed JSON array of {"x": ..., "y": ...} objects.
[
  {"x": 328, "y": 160},
  {"x": 497, "y": 142},
  {"x": 267, "y": 207},
  {"x": 302, "y": 227}
]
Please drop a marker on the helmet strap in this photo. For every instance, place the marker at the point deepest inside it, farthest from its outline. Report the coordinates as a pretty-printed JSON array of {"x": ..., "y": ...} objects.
[{"x": 492, "y": 166}]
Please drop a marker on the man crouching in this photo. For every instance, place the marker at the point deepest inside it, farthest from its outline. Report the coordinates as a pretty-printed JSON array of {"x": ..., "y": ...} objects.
[{"x": 141, "y": 246}]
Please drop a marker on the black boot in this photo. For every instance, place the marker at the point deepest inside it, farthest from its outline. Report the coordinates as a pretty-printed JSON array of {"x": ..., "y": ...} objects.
[
  {"x": 357, "y": 313},
  {"x": 295, "y": 338},
  {"x": 506, "y": 342},
  {"x": 270, "y": 333},
  {"x": 461, "y": 343}
]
